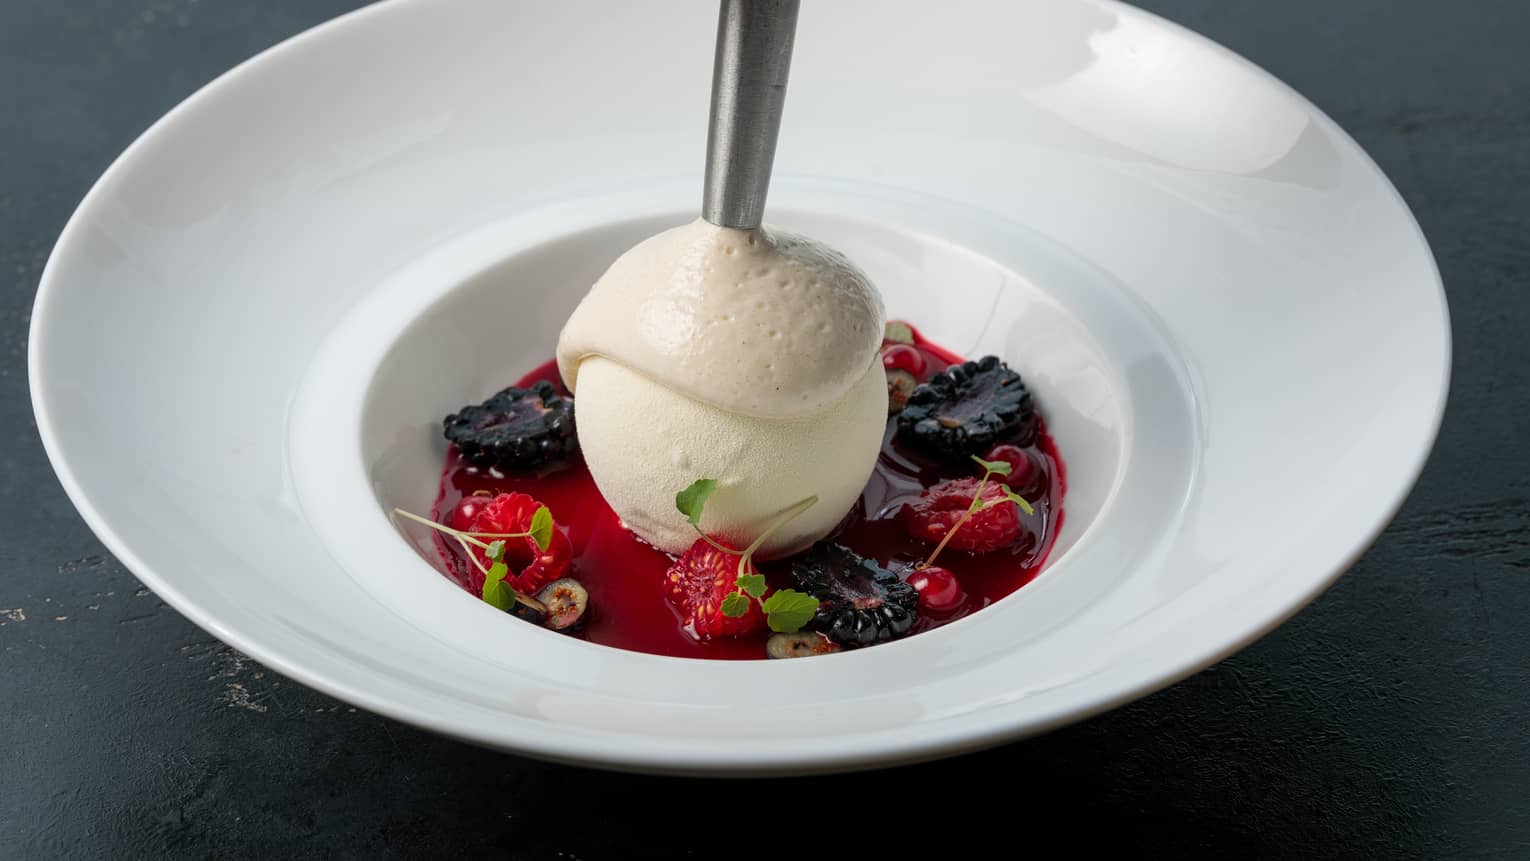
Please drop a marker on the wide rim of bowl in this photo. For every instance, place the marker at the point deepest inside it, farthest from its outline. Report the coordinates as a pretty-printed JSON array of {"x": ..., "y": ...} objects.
[{"x": 1237, "y": 628}]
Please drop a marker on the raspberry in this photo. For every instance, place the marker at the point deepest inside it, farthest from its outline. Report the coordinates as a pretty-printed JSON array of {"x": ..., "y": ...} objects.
[
  {"x": 697, "y": 584},
  {"x": 932, "y": 515},
  {"x": 530, "y": 568}
]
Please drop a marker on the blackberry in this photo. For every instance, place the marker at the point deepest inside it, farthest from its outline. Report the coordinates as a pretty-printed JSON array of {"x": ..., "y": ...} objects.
[
  {"x": 516, "y": 429},
  {"x": 859, "y": 602},
  {"x": 966, "y": 409}
]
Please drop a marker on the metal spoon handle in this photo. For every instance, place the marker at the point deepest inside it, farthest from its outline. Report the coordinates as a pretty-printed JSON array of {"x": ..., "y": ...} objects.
[{"x": 754, "y": 55}]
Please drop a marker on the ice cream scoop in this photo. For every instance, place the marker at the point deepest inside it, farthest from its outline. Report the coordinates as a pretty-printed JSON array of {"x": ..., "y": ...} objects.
[
  {"x": 725, "y": 350},
  {"x": 749, "y": 357},
  {"x": 759, "y": 322},
  {"x": 644, "y": 441}
]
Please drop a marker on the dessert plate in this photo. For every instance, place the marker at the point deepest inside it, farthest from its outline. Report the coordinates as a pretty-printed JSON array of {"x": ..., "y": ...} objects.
[{"x": 249, "y": 330}]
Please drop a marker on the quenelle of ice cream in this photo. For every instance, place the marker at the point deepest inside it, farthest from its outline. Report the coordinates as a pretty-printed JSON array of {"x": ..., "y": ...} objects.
[{"x": 748, "y": 357}]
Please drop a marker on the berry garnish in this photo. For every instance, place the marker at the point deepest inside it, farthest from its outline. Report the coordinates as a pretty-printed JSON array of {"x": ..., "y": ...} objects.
[
  {"x": 966, "y": 409},
  {"x": 516, "y": 429},
  {"x": 897, "y": 332},
  {"x": 493, "y": 589},
  {"x": 511, "y": 517},
  {"x": 719, "y": 597},
  {"x": 803, "y": 644},
  {"x": 971, "y": 514},
  {"x": 938, "y": 590},
  {"x": 1025, "y": 476},
  {"x": 511, "y": 529},
  {"x": 566, "y": 601},
  {"x": 701, "y": 583},
  {"x": 467, "y": 509},
  {"x": 900, "y": 384},
  {"x": 938, "y": 511},
  {"x": 902, "y": 357},
  {"x": 1021, "y": 468},
  {"x": 859, "y": 601}
]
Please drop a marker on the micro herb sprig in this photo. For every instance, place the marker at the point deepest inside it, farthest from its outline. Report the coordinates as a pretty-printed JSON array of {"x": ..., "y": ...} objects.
[
  {"x": 990, "y": 469},
  {"x": 496, "y": 592},
  {"x": 786, "y": 610}
]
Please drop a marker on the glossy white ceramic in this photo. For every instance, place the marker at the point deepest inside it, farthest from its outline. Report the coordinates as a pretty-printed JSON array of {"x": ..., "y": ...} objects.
[{"x": 248, "y": 332}]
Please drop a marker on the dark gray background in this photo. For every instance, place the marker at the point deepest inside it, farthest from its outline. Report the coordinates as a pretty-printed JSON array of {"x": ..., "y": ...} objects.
[{"x": 1387, "y": 720}]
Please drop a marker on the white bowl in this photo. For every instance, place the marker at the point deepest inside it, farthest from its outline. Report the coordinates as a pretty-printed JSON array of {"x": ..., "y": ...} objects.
[{"x": 248, "y": 332}]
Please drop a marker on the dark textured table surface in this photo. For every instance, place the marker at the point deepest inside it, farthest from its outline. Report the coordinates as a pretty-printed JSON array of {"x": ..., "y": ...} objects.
[{"x": 1391, "y": 719}]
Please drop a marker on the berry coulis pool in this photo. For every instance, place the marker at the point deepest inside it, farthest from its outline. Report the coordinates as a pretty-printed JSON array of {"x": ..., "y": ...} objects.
[{"x": 625, "y": 577}]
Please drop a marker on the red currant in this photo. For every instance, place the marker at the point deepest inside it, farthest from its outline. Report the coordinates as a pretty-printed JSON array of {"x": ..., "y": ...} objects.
[
  {"x": 902, "y": 357},
  {"x": 1021, "y": 466},
  {"x": 466, "y": 511},
  {"x": 938, "y": 590}
]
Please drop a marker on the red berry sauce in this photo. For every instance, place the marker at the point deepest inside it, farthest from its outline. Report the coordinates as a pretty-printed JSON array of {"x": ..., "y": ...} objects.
[{"x": 624, "y": 576}]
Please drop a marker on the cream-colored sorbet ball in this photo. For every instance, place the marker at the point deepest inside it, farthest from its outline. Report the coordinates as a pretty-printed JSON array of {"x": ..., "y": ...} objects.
[{"x": 645, "y": 442}]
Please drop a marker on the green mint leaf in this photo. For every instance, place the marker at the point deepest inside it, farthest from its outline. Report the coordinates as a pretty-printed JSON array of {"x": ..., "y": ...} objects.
[
  {"x": 1018, "y": 500},
  {"x": 691, "y": 500},
  {"x": 496, "y": 551},
  {"x": 735, "y": 605},
  {"x": 494, "y": 592},
  {"x": 497, "y": 572},
  {"x": 788, "y": 610},
  {"x": 898, "y": 332},
  {"x": 997, "y": 467},
  {"x": 542, "y": 527},
  {"x": 502, "y": 596},
  {"x": 752, "y": 585}
]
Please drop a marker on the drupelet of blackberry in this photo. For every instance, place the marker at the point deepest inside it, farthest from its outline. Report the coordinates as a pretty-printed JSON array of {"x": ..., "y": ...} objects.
[
  {"x": 967, "y": 409},
  {"x": 859, "y": 602},
  {"x": 516, "y": 429}
]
